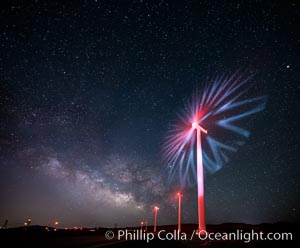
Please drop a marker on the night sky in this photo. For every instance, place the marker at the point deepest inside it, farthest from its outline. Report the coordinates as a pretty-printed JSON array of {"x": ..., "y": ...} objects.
[{"x": 89, "y": 90}]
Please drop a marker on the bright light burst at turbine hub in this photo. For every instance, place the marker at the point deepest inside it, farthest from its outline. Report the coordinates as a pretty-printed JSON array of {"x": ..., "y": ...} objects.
[
  {"x": 194, "y": 125},
  {"x": 224, "y": 108}
]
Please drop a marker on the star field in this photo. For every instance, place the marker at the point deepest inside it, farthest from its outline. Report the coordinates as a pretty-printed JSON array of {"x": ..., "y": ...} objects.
[{"x": 89, "y": 90}]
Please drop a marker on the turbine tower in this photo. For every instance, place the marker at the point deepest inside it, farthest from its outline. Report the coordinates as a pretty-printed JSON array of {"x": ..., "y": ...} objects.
[
  {"x": 200, "y": 178},
  {"x": 179, "y": 210},
  {"x": 155, "y": 217}
]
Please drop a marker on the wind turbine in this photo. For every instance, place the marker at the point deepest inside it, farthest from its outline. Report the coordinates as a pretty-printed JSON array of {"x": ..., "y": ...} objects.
[
  {"x": 155, "y": 217},
  {"x": 222, "y": 104},
  {"x": 200, "y": 178},
  {"x": 142, "y": 223},
  {"x": 179, "y": 210}
]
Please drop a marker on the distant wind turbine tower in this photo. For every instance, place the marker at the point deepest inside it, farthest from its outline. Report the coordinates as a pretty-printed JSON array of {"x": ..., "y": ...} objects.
[
  {"x": 179, "y": 211},
  {"x": 155, "y": 218}
]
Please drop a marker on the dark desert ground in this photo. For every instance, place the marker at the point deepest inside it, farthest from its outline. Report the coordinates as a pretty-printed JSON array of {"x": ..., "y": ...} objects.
[{"x": 38, "y": 236}]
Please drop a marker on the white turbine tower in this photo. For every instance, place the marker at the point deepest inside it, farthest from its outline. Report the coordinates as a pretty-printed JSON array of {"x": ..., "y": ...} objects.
[{"x": 200, "y": 178}]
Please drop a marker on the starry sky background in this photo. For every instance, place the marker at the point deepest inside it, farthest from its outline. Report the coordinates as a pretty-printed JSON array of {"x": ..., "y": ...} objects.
[{"x": 89, "y": 89}]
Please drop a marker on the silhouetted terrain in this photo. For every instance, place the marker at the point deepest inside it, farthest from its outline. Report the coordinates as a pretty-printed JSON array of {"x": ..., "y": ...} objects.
[{"x": 41, "y": 236}]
